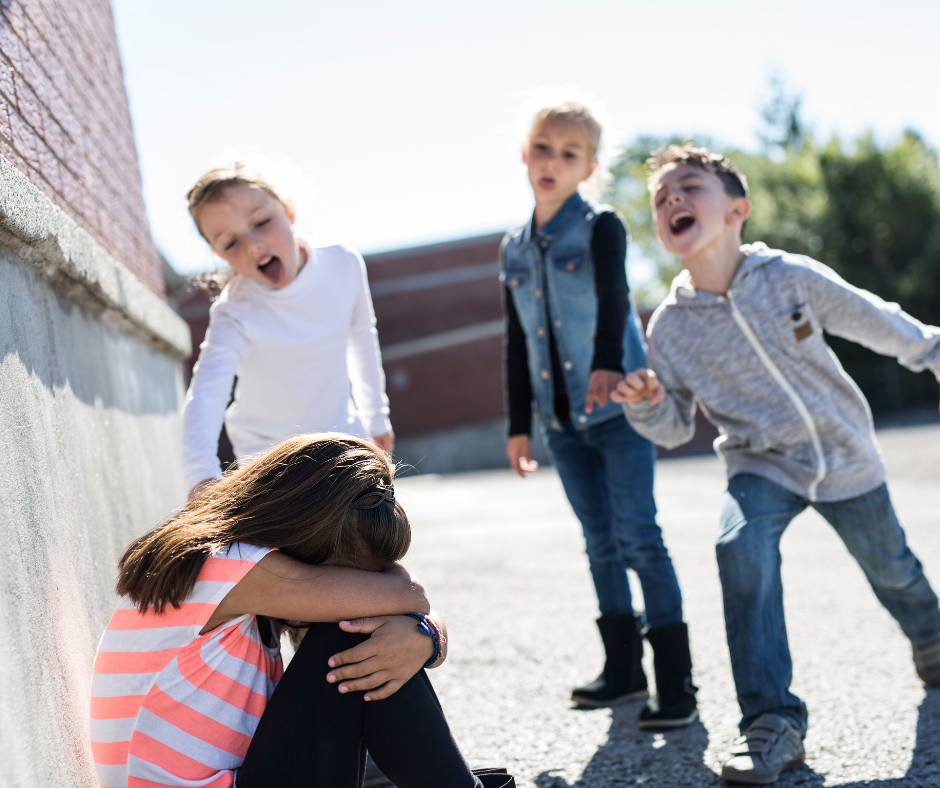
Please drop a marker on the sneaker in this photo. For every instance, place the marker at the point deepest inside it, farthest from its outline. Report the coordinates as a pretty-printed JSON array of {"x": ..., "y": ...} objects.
[
  {"x": 769, "y": 746},
  {"x": 927, "y": 662}
]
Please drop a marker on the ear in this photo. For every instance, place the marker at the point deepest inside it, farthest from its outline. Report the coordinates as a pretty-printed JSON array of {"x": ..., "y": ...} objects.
[
  {"x": 740, "y": 210},
  {"x": 591, "y": 169},
  {"x": 289, "y": 207},
  {"x": 525, "y": 154}
]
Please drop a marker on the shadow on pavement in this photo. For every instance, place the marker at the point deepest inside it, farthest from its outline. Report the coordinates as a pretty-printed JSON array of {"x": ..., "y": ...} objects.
[
  {"x": 674, "y": 759},
  {"x": 664, "y": 759}
]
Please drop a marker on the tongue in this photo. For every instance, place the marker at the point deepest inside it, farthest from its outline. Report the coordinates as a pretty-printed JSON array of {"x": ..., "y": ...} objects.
[{"x": 273, "y": 271}]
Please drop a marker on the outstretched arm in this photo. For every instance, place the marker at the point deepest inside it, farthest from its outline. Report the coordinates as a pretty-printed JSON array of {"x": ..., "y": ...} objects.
[
  {"x": 657, "y": 404},
  {"x": 366, "y": 376},
  {"x": 863, "y": 317},
  {"x": 208, "y": 396}
]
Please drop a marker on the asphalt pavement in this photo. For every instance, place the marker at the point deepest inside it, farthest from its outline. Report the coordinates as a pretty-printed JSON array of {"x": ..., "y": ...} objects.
[{"x": 503, "y": 560}]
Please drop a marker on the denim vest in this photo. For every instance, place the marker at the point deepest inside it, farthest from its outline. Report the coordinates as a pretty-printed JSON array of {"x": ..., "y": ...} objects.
[{"x": 551, "y": 276}]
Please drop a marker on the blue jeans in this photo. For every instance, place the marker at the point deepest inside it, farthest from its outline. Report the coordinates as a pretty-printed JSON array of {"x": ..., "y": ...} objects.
[
  {"x": 607, "y": 472},
  {"x": 754, "y": 515}
]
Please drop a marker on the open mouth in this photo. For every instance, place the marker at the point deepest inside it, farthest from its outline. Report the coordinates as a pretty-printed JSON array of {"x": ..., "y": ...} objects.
[
  {"x": 681, "y": 222},
  {"x": 272, "y": 268},
  {"x": 547, "y": 183}
]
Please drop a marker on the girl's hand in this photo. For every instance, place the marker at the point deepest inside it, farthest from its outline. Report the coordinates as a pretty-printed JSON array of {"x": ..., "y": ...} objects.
[
  {"x": 385, "y": 442},
  {"x": 600, "y": 385},
  {"x": 393, "y": 654},
  {"x": 519, "y": 451}
]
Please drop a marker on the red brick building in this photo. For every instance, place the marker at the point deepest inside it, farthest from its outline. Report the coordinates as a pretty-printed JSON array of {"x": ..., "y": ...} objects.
[
  {"x": 440, "y": 321},
  {"x": 65, "y": 122}
]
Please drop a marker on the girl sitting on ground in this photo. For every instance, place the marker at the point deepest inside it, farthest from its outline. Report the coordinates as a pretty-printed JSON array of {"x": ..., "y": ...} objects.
[{"x": 188, "y": 687}]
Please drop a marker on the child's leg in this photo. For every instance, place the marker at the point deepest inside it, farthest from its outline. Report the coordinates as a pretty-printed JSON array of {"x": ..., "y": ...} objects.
[
  {"x": 754, "y": 516},
  {"x": 581, "y": 470},
  {"x": 629, "y": 460},
  {"x": 871, "y": 532},
  {"x": 312, "y": 734}
]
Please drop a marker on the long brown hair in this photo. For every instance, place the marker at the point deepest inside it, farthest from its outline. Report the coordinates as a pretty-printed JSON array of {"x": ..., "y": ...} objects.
[{"x": 295, "y": 497}]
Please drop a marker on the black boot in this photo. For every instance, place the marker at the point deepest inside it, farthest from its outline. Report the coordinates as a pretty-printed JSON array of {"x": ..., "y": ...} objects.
[
  {"x": 622, "y": 678},
  {"x": 674, "y": 705}
]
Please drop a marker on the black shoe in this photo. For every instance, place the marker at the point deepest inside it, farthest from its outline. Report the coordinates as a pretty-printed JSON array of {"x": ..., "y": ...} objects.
[
  {"x": 495, "y": 778},
  {"x": 674, "y": 705},
  {"x": 374, "y": 777},
  {"x": 622, "y": 678}
]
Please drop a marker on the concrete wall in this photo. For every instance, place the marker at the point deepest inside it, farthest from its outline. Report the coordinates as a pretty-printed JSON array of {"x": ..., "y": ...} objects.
[{"x": 90, "y": 392}]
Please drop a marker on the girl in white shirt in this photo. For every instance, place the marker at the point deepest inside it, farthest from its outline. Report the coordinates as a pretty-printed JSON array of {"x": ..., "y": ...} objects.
[{"x": 295, "y": 324}]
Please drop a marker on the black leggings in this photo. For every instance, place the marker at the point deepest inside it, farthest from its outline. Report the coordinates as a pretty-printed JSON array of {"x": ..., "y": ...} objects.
[{"x": 311, "y": 734}]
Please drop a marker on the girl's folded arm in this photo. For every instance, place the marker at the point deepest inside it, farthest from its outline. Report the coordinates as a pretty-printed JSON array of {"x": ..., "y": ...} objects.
[{"x": 279, "y": 586}]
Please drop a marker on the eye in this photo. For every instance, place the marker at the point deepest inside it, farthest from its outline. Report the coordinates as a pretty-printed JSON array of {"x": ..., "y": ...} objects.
[
  {"x": 263, "y": 222},
  {"x": 229, "y": 246},
  {"x": 541, "y": 147},
  {"x": 569, "y": 155},
  {"x": 660, "y": 201}
]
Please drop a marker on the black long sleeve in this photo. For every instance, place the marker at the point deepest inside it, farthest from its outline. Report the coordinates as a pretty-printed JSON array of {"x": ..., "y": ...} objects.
[
  {"x": 609, "y": 250},
  {"x": 516, "y": 359}
]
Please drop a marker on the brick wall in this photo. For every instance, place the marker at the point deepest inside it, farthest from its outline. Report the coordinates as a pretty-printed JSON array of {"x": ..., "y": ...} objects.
[{"x": 65, "y": 122}]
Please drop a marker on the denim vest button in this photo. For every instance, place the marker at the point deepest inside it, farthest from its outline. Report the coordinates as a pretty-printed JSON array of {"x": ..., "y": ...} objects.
[
  {"x": 538, "y": 292},
  {"x": 582, "y": 418},
  {"x": 569, "y": 267},
  {"x": 556, "y": 425},
  {"x": 568, "y": 365},
  {"x": 544, "y": 374},
  {"x": 557, "y": 324},
  {"x": 514, "y": 282},
  {"x": 540, "y": 332}
]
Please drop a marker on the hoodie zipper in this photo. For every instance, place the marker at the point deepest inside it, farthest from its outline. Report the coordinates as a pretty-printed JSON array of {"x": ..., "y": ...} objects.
[{"x": 798, "y": 403}]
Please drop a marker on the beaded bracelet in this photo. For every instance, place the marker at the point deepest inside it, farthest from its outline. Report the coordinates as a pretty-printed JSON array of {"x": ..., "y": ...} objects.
[{"x": 427, "y": 627}]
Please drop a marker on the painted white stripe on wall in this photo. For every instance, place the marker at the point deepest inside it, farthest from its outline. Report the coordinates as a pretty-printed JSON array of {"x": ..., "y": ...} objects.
[
  {"x": 453, "y": 276},
  {"x": 442, "y": 341}
]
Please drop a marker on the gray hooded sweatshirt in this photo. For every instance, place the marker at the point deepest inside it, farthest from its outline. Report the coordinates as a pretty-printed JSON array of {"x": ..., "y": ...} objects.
[{"x": 756, "y": 363}]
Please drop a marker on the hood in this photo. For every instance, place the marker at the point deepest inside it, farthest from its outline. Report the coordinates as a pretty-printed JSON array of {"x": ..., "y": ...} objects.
[{"x": 682, "y": 293}]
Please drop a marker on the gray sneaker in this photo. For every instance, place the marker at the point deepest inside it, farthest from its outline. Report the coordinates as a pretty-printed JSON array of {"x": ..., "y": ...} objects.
[
  {"x": 769, "y": 746},
  {"x": 927, "y": 662}
]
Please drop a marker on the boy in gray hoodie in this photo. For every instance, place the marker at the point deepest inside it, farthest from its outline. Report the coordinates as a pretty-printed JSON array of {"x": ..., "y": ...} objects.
[{"x": 741, "y": 337}]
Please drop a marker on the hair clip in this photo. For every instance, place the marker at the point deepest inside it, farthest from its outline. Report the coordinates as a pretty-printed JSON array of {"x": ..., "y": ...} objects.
[{"x": 374, "y": 498}]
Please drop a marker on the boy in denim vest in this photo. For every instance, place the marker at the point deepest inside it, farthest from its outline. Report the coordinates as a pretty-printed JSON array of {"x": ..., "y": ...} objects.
[
  {"x": 741, "y": 336},
  {"x": 570, "y": 335}
]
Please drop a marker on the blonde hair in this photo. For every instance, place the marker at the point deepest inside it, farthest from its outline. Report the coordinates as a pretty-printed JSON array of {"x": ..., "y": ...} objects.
[
  {"x": 573, "y": 114},
  {"x": 210, "y": 186}
]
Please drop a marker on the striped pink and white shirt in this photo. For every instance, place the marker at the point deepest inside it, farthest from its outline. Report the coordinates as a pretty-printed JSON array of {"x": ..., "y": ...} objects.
[{"x": 171, "y": 707}]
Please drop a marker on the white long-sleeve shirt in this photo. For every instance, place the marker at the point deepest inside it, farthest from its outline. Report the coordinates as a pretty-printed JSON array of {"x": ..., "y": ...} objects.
[{"x": 307, "y": 360}]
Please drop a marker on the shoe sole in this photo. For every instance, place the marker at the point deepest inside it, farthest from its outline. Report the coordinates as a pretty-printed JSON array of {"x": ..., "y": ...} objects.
[
  {"x": 666, "y": 724},
  {"x": 588, "y": 703},
  {"x": 755, "y": 778}
]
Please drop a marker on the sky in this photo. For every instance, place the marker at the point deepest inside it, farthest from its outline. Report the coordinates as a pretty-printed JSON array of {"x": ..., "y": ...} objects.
[{"x": 392, "y": 123}]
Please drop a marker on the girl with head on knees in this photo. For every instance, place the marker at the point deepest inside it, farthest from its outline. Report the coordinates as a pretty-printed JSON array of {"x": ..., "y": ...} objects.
[{"x": 189, "y": 688}]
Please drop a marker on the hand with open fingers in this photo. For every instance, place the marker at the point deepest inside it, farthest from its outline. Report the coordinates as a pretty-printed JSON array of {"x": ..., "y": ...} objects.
[
  {"x": 382, "y": 664},
  {"x": 600, "y": 385},
  {"x": 639, "y": 385},
  {"x": 385, "y": 442},
  {"x": 519, "y": 451}
]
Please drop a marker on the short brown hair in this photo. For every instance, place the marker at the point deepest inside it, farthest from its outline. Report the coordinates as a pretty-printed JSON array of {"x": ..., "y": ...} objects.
[
  {"x": 574, "y": 114},
  {"x": 295, "y": 497},
  {"x": 732, "y": 179},
  {"x": 210, "y": 186}
]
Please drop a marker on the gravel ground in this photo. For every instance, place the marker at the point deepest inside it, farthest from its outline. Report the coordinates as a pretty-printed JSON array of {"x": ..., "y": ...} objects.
[{"x": 503, "y": 561}]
